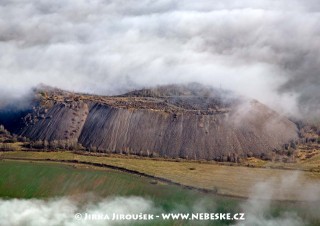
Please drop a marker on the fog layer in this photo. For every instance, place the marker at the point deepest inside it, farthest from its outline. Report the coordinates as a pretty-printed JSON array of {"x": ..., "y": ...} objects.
[{"x": 268, "y": 50}]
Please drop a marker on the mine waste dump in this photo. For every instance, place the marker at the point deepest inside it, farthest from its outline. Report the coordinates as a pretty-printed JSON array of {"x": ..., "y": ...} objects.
[{"x": 173, "y": 121}]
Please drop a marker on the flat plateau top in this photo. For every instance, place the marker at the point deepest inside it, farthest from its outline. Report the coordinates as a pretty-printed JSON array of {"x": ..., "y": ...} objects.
[{"x": 173, "y": 99}]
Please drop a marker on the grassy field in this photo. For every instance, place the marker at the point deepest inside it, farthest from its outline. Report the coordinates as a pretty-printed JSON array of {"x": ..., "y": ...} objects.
[
  {"x": 21, "y": 179},
  {"x": 224, "y": 180},
  {"x": 24, "y": 179}
]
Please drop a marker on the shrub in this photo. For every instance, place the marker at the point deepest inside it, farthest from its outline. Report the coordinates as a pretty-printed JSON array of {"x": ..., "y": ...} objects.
[
  {"x": 11, "y": 140},
  {"x": 22, "y": 139},
  {"x": 3, "y": 130},
  {"x": 293, "y": 145},
  {"x": 53, "y": 144},
  {"x": 39, "y": 144},
  {"x": 8, "y": 147}
]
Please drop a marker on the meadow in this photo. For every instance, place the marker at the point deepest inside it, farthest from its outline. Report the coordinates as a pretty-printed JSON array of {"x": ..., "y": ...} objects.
[
  {"x": 46, "y": 180},
  {"x": 234, "y": 181}
]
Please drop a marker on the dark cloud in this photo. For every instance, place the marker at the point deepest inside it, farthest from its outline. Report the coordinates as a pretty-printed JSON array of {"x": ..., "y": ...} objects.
[{"x": 268, "y": 50}]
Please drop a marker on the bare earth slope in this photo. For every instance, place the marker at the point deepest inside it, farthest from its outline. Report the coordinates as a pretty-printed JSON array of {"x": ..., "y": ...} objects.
[{"x": 191, "y": 121}]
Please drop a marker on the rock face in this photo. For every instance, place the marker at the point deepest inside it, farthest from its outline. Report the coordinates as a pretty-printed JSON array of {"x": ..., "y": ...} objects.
[
  {"x": 191, "y": 122},
  {"x": 61, "y": 122}
]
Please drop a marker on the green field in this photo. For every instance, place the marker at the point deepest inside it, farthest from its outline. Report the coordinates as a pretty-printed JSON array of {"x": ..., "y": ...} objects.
[
  {"x": 25, "y": 179},
  {"x": 234, "y": 181},
  {"x": 20, "y": 179}
]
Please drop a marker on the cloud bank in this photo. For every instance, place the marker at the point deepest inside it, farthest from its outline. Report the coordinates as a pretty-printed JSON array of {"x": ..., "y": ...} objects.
[
  {"x": 62, "y": 211},
  {"x": 259, "y": 206},
  {"x": 268, "y": 50}
]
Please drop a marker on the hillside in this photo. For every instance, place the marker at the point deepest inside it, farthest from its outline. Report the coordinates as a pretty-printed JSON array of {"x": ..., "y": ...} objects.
[{"x": 188, "y": 121}]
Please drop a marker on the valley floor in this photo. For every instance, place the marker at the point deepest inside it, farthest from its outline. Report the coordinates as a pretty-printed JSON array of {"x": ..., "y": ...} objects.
[{"x": 236, "y": 181}]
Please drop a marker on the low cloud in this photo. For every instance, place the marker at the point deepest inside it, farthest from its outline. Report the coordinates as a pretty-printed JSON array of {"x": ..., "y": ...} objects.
[
  {"x": 293, "y": 185},
  {"x": 268, "y": 50},
  {"x": 62, "y": 211}
]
